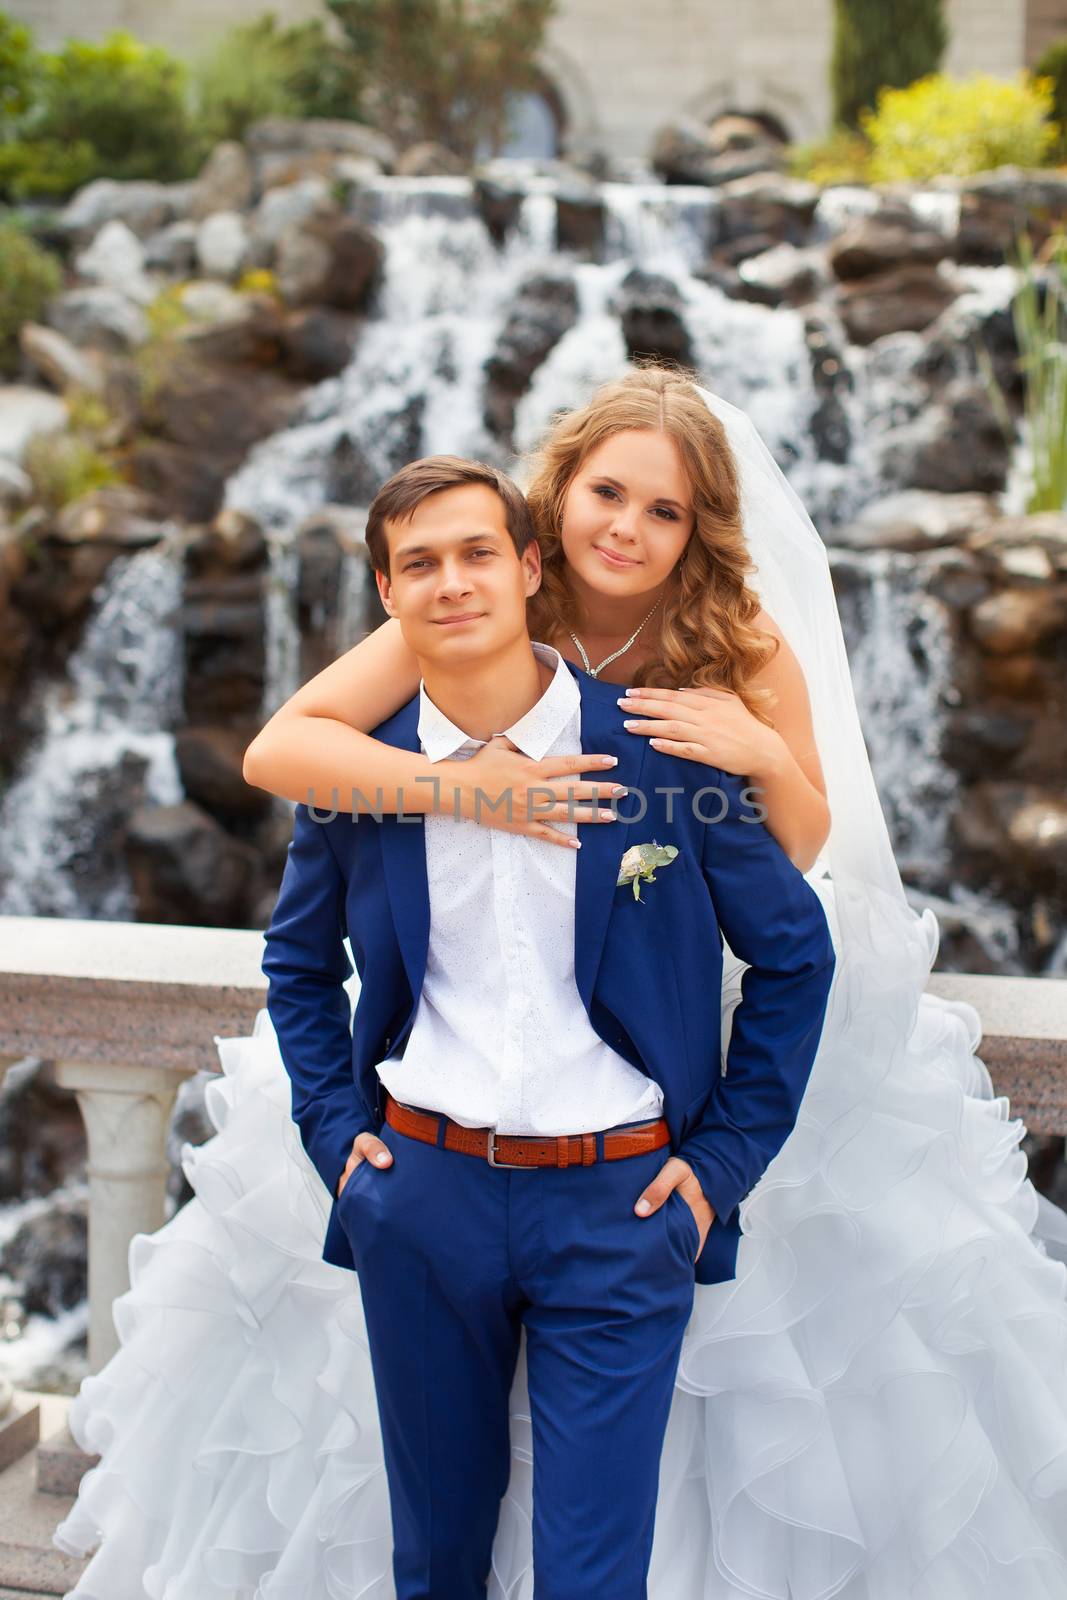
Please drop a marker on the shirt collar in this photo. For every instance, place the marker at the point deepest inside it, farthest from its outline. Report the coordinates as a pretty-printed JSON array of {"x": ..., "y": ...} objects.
[{"x": 534, "y": 733}]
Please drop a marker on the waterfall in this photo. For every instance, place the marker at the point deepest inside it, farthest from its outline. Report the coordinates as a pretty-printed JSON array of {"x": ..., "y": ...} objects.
[
  {"x": 416, "y": 384},
  {"x": 106, "y": 747}
]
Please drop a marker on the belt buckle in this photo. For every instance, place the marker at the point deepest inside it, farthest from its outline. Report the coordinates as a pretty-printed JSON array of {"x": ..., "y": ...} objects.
[{"x": 490, "y": 1154}]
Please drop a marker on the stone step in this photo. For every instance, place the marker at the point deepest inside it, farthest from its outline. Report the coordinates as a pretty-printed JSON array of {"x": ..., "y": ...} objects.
[
  {"x": 28, "y": 1558},
  {"x": 31, "y": 1567},
  {"x": 62, "y": 1463}
]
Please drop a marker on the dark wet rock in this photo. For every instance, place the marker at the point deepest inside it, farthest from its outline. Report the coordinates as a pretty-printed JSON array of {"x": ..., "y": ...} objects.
[
  {"x": 545, "y": 308},
  {"x": 185, "y": 868},
  {"x": 651, "y": 312}
]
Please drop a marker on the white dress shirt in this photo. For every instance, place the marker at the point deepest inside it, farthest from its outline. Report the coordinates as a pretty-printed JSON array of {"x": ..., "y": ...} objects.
[{"x": 501, "y": 1038}]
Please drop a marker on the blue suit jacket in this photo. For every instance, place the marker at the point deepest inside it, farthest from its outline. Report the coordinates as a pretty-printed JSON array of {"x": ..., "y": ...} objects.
[{"x": 649, "y": 973}]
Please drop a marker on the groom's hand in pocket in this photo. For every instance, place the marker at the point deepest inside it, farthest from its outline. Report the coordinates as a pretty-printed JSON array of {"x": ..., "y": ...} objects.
[
  {"x": 678, "y": 1174},
  {"x": 365, "y": 1147}
]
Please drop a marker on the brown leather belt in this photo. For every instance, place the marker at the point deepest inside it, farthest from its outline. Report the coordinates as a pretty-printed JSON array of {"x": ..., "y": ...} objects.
[{"x": 526, "y": 1149}]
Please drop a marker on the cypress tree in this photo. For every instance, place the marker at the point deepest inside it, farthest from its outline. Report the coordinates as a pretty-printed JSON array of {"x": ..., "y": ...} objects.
[{"x": 882, "y": 43}]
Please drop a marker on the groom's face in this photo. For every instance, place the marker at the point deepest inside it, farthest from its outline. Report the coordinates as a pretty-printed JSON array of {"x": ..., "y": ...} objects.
[{"x": 456, "y": 583}]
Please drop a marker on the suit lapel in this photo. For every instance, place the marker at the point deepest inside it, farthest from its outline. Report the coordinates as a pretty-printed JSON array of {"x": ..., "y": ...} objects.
[
  {"x": 597, "y": 866},
  {"x": 603, "y": 843},
  {"x": 404, "y": 859}
]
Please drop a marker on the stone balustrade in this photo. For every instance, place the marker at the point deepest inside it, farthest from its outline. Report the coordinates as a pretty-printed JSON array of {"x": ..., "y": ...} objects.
[{"x": 126, "y": 1010}]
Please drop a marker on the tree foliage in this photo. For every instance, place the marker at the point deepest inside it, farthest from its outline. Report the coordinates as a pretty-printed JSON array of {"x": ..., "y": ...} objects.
[
  {"x": 882, "y": 44},
  {"x": 259, "y": 69},
  {"x": 445, "y": 69}
]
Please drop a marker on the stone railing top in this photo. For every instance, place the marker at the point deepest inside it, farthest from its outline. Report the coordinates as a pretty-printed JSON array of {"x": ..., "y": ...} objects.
[
  {"x": 131, "y": 952},
  {"x": 157, "y": 995},
  {"x": 1027, "y": 1010},
  {"x": 141, "y": 992}
]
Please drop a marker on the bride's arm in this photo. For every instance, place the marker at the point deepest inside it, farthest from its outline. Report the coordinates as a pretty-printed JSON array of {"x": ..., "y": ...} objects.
[
  {"x": 782, "y": 763},
  {"x": 317, "y": 750}
]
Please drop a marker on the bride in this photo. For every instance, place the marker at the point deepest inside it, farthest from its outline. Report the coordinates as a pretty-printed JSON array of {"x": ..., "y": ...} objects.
[{"x": 875, "y": 1406}]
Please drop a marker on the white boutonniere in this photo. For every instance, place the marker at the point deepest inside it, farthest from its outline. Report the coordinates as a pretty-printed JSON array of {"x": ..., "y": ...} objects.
[{"x": 639, "y": 863}]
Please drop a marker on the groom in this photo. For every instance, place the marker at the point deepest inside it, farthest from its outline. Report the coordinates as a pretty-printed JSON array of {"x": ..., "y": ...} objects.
[{"x": 534, "y": 1051}]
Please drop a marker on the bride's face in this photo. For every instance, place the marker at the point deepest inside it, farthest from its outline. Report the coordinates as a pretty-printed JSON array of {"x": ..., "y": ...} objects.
[{"x": 627, "y": 513}]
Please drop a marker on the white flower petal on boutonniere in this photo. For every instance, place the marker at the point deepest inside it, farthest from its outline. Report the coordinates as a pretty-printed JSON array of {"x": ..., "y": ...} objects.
[{"x": 640, "y": 861}]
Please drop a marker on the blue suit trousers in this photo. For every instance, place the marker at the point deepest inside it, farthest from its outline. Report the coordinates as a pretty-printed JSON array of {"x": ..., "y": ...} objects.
[{"x": 454, "y": 1258}]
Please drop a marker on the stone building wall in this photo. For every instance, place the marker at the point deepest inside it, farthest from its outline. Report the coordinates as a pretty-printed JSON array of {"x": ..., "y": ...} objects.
[{"x": 622, "y": 69}]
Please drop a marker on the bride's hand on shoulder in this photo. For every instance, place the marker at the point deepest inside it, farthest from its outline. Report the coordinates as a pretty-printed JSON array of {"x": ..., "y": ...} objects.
[
  {"x": 501, "y": 787},
  {"x": 713, "y": 726}
]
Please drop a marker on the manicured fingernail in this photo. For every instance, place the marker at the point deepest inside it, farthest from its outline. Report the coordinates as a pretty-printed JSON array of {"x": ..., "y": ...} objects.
[
  {"x": 642, "y": 1207},
  {"x": 631, "y": 722},
  {"x": 382, "y": 1158},
  {"x": 618, "y": 788},
  {"x": 609, "y": 761},
  {"x": 575, "y": 843}
]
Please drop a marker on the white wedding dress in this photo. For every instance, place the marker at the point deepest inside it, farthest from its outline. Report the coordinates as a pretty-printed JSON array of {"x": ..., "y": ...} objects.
[{"x": 875, "y": 1408}]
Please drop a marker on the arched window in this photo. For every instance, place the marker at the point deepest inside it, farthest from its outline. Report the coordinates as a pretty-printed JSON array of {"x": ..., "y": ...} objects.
[{"x": 536, "y": 123}]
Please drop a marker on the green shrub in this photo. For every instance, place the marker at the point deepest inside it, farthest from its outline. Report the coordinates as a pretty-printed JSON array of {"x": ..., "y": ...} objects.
[
  {"x": 1039, "y": 317},
  {"x": 877, "y": 46},
  {"x": 19, "y": 67},
  {"x": 260, "y": 70},
  {"x": 62, "y": 467},
  {"x": 1053, "y": 64},
  {"x": 941, "y": 125},
  {"x": 45, "y": 167},
  {"x": 842, "y": 157},
  {"x": 125, "y": 100},
  {"x": 30, "y": 277}
]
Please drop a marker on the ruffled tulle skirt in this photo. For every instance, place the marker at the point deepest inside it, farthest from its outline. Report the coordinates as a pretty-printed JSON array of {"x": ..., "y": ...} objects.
[{"x": 874, "y": 1408}]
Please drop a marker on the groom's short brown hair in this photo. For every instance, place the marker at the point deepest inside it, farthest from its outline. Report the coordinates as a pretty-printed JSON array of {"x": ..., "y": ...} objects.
[{"x": 399, "y": 498}]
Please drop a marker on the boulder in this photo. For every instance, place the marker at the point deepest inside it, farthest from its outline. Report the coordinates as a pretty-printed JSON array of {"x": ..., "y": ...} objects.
[
  {"x": 59, "y": 361},
  {"x": 545, "y": 308},
  {"x": 1019, "y": 619},
  {"x": 115, "y": 260},
  {"x": 329, "y": 260},
  {"x": 222, "y": 245},
  {"x": 98, "y": 318},
  {"x": 185, "y": 868},
  {"x": 117, "y": 514},
  {"x": 26, "y": 413},
  {"x": 902, "y": 299},
  {"x": 430, "y": 160},
  {"x": 759, "y": 211},
  {"x": 580, "y": 217},
  {"x": 285, "y": 148},
  {"x": 288, "y": 206},
  {"x": 996, "y": 206},
  {"x": 317, "y": 342},
  {"x": 1001, "y": 542},
  {"x": 689, "y": 152},
  {"x": 225, "y": 184},
  {"x": 499, "y": 204},
  {"x": 874, "y": 244},
  {"x": 144, "y": 206},
  {"x": 652, "y": 315},
  {"x": 918, "y": 519},
  {"x": 783, "y": 275},
  {"x": 953, "y": 446},
  {"x": 47, "y": 1256},
  {"x": 210, "y": 760},
  {"x": 172, "y": 249}
]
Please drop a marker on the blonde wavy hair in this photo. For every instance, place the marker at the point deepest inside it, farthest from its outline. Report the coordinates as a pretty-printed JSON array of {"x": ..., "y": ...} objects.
[{"x": 707, "y": 631}]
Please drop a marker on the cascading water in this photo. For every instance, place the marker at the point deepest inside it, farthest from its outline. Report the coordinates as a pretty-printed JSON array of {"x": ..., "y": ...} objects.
[
  {"x": 106, "y": 747},
  {"x": 417, "y": 384}
]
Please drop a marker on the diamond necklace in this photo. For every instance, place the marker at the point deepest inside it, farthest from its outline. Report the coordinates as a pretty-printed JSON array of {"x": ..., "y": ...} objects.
[{"x": 592, "y": 671}]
